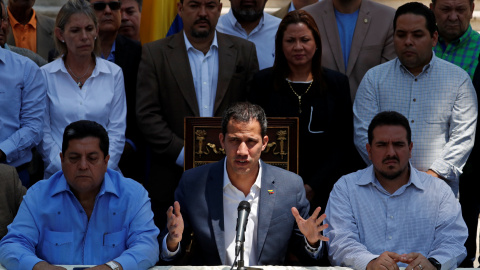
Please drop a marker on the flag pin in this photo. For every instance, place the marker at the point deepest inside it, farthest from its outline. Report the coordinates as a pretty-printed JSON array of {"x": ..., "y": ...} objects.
[{"x": 270, "y": 191}]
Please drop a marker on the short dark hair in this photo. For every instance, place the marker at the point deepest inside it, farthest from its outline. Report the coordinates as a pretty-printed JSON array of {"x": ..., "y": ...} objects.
[
  {"x": 83, "y": 129},
  {"x": 389, "y": 118},
  {"x": 245, "y": 112},
  {"x": 417, "y": 9},
  {"x": 140, "y": 3}
]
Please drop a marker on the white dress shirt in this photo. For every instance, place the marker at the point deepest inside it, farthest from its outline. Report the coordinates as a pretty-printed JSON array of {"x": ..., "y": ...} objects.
[
  {"x": 101, "y": 99},
  {"x": 231, "y": 199}
]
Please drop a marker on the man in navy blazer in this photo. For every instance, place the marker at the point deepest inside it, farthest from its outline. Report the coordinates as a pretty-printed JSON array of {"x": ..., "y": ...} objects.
[{"x": 209, "y": 195}]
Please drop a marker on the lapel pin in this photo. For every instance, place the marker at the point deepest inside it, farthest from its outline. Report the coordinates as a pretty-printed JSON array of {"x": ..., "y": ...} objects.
[
  {"x": 365, "y": 20},
  {"x": 270, "y": 191}
]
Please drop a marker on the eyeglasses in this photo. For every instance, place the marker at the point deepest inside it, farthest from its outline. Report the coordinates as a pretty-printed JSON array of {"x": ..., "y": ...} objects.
[{"x": 99, "y": 6}]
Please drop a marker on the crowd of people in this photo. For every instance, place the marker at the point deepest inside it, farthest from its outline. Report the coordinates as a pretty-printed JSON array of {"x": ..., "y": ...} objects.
[{"x": 387, "y": 107}]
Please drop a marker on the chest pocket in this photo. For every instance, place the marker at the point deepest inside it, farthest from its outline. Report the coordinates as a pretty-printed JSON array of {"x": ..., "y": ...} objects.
[
  {"x": 57, "y": 247},
  {"x": 114, "y": 243}
]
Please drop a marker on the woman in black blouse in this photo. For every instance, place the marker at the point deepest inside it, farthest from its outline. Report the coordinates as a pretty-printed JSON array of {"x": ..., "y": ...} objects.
[{"x": 298, "y": 86}]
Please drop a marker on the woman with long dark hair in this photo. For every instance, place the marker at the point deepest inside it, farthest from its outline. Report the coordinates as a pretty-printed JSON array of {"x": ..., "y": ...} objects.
[{"x": 298, "y": 86}]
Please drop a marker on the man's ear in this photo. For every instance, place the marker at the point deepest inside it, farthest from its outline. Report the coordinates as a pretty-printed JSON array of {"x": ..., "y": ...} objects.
[
  {"x": 369, "y": 151},
  {"x": 61, "y": 157},
  {"x": 221, "y": 138},
  {"x": 264, "y": 142}
]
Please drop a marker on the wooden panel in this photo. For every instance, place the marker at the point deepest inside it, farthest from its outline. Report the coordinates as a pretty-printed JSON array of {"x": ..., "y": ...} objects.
[{"x": 202, "y": 145}]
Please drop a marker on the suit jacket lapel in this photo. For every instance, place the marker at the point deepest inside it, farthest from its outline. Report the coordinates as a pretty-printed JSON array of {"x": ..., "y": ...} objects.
[
  {"x": 265, "y": 208},
  {"x": 361, "y": 28},
  {"x": 214, "y": 194},
  {"x": 180, "y": 67},
  {"x": 331, "y": 30},
  {"x": 227, "y": 55}
]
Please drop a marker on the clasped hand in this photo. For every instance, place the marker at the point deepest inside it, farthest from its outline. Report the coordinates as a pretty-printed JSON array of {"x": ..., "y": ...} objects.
[{"x": 388, "y": 260}]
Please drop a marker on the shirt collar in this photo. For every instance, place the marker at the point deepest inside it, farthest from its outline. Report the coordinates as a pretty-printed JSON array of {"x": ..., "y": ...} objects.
[
  {"x": 190, "y": 46},
  {"x": 425, "y": 68},
  {"x": 61, "y": 184},
  {"x": 2, "y": 54},
  {"x": 226, "y": 180},
  {"x": 465, "y": 37},
  {"x": 100, "y": 66},
  {"x": 32, "y": 22},
  {"x": 368, "y": 177},
  {"x": 234, "y": 23}
]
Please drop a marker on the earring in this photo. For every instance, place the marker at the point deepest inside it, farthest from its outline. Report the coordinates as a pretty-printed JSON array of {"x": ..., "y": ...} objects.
[
  {"x": 95, "y": 38},
  {"x": 63, "y": 41}
]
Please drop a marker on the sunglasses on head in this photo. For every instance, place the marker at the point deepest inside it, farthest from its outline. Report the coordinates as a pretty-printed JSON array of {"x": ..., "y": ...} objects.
[{"x": 102, "y": 5}]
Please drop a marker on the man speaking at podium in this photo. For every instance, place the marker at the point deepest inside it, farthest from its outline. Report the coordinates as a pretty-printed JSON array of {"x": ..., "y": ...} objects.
[{"x": 207, "y": 199}]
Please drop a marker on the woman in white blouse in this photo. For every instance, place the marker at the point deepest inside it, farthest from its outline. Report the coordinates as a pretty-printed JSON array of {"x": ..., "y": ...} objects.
[{"x": 81, "y": 86}]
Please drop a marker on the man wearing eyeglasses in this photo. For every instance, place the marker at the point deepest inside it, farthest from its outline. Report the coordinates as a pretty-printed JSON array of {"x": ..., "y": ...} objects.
[
  {"x": 125, "y": 53},
  {"x": 28, "y": 29}
]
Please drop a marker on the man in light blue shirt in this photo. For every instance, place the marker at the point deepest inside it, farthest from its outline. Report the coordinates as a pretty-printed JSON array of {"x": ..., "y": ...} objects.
[
  {"x": 84, "y": 214},
  {"x": 248, "y": 20},
  {"x": 390, "y": 212},
  {"x": 22, "y": 103},
  {"x": 294, "y": 5},
  {"x": 437, "y": 97}
]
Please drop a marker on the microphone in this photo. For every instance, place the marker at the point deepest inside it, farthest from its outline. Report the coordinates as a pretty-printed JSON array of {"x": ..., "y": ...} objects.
[{"x": 243, "y": 212}]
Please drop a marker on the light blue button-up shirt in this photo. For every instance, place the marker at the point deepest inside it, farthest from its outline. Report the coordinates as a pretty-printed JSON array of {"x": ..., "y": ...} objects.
[
  {"x": 365, "y": 220},
  {"x": 22, "y": 106},
  {"x": 263, "y": 35},
  {"x": 51, "y": 225},
  {"x": 440, "y": 104},
  {"x": 204, "y": 69}
]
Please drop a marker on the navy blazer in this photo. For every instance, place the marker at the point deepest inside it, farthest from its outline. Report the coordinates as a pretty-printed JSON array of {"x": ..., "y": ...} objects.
[{"x": 200, "y": 194}]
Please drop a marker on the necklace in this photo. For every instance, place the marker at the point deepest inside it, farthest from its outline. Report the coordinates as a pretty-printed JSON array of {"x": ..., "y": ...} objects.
[
  {"x": 299, "y": 96},
  {"x": 78, "y": 78}
]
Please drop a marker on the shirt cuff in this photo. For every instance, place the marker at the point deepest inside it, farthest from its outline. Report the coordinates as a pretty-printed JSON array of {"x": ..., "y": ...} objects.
[
  {"x": 314, "y": 252},
  {"x": 445, "y": 169},
  {"x": 180, "y": 158},
  {"x": 166, "y": 254}
]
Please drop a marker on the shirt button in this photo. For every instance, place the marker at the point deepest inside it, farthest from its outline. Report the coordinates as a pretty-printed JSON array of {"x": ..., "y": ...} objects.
[
  {"x": 81, "y": 103},
  {"x": 391, "y": 217},
  {"x": 204, "y": 82},
  {"x": 412, "y": 121},
  {"x": 389, "y": 238},
  {"x": 205, "y": 107},
  {"x": 414, "y": 99},
  {"x": 416, "y": 79}
]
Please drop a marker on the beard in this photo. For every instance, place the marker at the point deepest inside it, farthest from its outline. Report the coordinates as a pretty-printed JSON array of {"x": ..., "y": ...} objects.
[
  {"x": 201, "y": 33},
  {"x": 394, "y": 174},
  {"x": 247, "y": 15}
]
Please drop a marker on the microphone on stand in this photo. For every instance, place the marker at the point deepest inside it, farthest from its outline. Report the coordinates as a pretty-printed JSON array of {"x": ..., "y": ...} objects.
[{"x": 243, "y": 212}]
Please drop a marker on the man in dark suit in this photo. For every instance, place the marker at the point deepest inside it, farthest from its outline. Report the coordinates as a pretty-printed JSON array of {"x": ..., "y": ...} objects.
[
  {"x": 23, "y": 21},
  {"x": 12, "y": 192},
  {"x": 197, "y": 72},
  {"x": 209, "y": 196}
]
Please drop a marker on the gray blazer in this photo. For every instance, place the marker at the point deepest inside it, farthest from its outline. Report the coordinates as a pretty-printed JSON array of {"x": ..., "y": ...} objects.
[
  {"x": 200, "y": 194},
  {"x": 11, "y": 195},
  {"x": 372, "y": 42}
]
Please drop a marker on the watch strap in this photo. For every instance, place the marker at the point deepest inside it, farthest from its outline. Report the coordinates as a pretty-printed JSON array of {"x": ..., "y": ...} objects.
[
  {"x": 113, "y": 265},
  {"x": 435, "y": 263}
]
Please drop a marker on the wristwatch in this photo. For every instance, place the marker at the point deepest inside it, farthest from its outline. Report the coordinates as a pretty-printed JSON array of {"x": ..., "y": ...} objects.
[
  {"x": 435, "y": 263},
  {"x": 113, "y": 265}
]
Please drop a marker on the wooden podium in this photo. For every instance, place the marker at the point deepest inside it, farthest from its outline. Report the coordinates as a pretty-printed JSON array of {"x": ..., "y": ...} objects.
[{"x": 202, "y": 145}]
